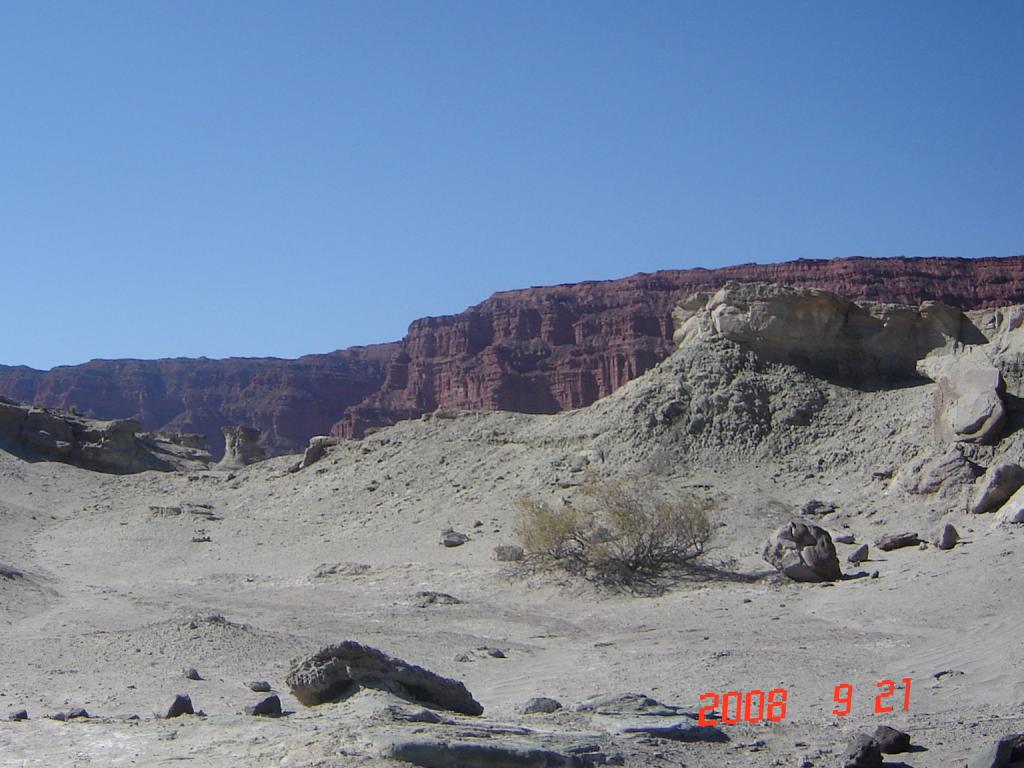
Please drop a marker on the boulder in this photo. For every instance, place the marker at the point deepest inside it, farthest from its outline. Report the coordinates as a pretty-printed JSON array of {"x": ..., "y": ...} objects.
[
  {"x": 259, "y": 686},
  {"x": 1007, "y": 751},
  {"x": 1013, "y": 510},
  {"x": 891, "y": 541},
  {"x": 803, "y": 552},
  {"x": 241, "y": 447},
  {"x": 947, "y": 537},
  {"x": 332, "y": 671},
  {"x": 452, "y": 538},
  {"x": 863, "y": 752},
  {"x": 859, "y": 555},
  {"x": 316, "y": 450},
  {"x": 891, "y": 741},
  {"x": 996, "y": 486},
  {"x": 969, "y": 397},
  {"x": 541, "y": 705},
  {"x": 182, "y": 705},
  {"x": 268, "y": 707},
  {"x": 472, "y": 753}
]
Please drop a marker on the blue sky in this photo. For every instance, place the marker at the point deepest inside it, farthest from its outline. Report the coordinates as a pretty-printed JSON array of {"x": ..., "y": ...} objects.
[{"x": 271, "y": 178}]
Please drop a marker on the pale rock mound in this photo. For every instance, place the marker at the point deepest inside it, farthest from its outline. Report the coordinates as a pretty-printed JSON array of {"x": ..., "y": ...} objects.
[
  {"x": 968, "y": 401},
  {"x": 332, "y": 671},
  {"x": 241, "y": 447},
  {"x": 1013, "y": 510},
  {"x": 803, "y": 552}
]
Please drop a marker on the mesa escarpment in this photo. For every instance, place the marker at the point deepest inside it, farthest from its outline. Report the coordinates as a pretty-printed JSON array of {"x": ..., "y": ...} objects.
[{"x": 537, "y": 350}]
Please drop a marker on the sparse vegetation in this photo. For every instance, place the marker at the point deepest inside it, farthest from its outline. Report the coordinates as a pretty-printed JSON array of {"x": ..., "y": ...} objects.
[{"x": 617, "y": 533}]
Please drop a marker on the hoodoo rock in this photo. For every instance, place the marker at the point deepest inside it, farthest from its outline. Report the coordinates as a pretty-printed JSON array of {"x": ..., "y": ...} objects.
[
  {"x": 241, "y": 447},
  {"x": 332, "y": 671},
  {"x": 803, "y": 552}
]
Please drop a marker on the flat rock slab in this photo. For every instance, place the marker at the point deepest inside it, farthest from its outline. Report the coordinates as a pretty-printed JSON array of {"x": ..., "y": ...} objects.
[
  {"x": 330, "y": 672},
  {"x": 441, "y": 753},
  {"x": 891, "y": 541}
]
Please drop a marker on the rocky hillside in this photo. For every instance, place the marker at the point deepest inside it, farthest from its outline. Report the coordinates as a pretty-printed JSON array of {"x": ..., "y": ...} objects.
[{"x": 537, "y": 350}]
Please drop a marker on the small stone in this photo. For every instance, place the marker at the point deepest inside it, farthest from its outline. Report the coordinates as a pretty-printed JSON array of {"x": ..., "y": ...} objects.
[
  {"x": 268, "y": 707},
  {"x": 21, "y": 714},
  {"x": 541, "y": 705},
  {"x": 874, "y": 574},
  {"x": 192, "y": 674},
  {"x": 182, "y": 705},
  {"x": 891, "y": 741},
  {"x": 452, "y": 538},
  {"x": 496, "y": 653},
  {"x": 259, "y": 686},
  {"x": 844, "y": 538},
  {"x": 947, "y": 537},
  {"x": 891, "y": 541},
  {"x": 78, "y": 714},
  {"x": 463, "y": 657},
  {"x": 859, "y": 555}
]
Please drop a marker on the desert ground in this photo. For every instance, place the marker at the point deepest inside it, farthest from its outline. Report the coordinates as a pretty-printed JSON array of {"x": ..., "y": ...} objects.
[{"x": 113, "y": 585}]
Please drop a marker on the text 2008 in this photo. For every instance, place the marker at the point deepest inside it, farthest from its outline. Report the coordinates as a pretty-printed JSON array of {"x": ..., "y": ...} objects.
[{"x": 758, "y": 706}]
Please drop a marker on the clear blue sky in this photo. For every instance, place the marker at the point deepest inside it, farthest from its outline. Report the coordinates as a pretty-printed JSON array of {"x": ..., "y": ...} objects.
[{"x": 275, "y": 178}]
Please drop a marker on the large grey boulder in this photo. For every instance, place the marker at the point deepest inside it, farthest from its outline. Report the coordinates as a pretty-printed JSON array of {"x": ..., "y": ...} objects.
[
  {"x": 968, "y": 400},
  {"x": 332, "y": 672},
  {"x": 803, "y": 552},
  {"x": 995, "y": 487},
  {"x": 1006, "y": 752}
]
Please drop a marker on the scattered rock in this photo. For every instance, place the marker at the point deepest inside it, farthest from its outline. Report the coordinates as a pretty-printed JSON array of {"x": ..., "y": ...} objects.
[
  {"x": 541, "y": 705},
  {"x": 863, "y": 752},
  {"x": 78, "y": 713},
  {"x": 947, "y": 537},
  {"x": 803, "y": 552},
  {"x": 192, "y": 674},
  {"x": 494, "y": 653},
  {"x": 859, "y": 555},
  {"x": 268, "y": 707},
  {"x": 182, "y": 705},
  {"x": 332, "y": 671},
  {"x": 508, "y": 553},
  {"x": 452, "y": 538},
  {"x": 844, "y": 538},
  {"x": 891, "y": 541},
  {"x": 21, "y": 714},
  {"x": 995, "y": 487},
  {"x": 938, "y": 474},
  {"x": 259, "y": 686},
  {"x": 428, "y": 598},
  {"x": 891, "y": 741}
]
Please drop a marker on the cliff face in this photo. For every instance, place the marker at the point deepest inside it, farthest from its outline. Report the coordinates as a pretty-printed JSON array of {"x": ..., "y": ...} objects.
[
  {"x": 287, "y": 400},
  {"x": 542, "y": 350},
  {"x": 538, "y": 350}
]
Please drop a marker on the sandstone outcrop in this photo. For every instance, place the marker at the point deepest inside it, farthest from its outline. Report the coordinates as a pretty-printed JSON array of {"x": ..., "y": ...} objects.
[
  {"x": 803, "y": 552},
  {"x": 826, "y": 334},
  {"x": 330, "y": 672},
  {"x": 538, "y": 350},
  {"x": 116, "y": 446},
  {"x": 241, "y": 447}
]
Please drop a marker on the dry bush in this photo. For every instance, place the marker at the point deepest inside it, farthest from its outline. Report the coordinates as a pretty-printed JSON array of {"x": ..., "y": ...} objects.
[{"x": 620, "y": 534}]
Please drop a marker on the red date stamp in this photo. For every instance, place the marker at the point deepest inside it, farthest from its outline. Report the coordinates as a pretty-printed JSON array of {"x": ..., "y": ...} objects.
[{"x": 759, "y": 706}]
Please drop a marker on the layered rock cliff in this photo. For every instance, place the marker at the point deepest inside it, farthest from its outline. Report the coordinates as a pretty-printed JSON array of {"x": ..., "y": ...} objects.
[{"x": 537, "y": 350}]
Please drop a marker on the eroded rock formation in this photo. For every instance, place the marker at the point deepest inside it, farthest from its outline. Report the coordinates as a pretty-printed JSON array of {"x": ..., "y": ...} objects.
[{"x": 538, "y": 350}]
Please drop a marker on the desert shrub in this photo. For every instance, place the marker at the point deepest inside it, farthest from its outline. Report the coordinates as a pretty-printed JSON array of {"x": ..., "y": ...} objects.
[{"x": 621, "y": 534}]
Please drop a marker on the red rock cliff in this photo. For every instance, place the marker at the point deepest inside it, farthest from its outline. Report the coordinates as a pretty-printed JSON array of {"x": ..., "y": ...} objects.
[
  {"x": 538, "y": 350},
  {"x": 543, "y": 350}
]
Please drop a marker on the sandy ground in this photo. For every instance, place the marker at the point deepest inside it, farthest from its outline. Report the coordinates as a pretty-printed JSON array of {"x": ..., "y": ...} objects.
[{"x": 114, "y": 599}]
